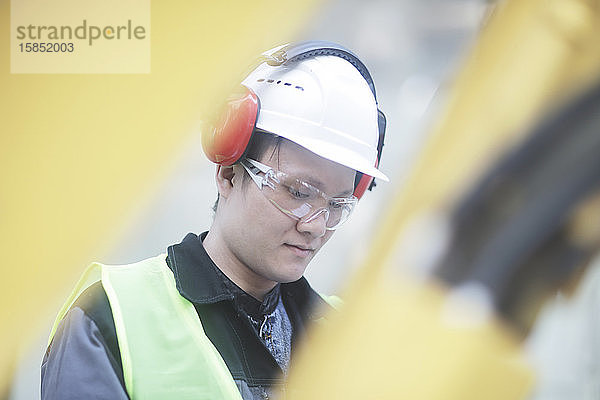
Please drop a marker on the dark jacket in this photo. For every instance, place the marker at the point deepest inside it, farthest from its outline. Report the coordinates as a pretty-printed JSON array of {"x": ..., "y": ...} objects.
[{"x": 83, "y": 360}]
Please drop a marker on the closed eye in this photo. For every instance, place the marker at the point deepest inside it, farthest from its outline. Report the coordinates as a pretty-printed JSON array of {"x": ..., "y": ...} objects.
[{"x": 297, "y": 193}]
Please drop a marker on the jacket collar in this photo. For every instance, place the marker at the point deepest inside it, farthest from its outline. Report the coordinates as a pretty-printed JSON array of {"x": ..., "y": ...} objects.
[
  {"x": 195, "y": 273},
  {"x": 200, "y": 281}
]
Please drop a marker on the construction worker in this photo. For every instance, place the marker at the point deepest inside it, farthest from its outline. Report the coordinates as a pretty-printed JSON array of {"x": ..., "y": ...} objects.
[{"x": 218, "y": 315}]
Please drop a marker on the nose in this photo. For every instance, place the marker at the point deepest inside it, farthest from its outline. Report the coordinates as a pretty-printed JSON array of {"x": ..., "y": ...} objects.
[{"x": 315, "y": 224}]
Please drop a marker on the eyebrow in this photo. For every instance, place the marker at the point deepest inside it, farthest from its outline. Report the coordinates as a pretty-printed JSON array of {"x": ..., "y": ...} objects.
[
  {"x": 311, "y": 180},
  {"x": 318, "y": 184}
]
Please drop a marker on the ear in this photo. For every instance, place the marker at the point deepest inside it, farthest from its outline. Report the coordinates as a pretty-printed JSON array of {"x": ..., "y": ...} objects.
[{"x": 224, "y": 179}]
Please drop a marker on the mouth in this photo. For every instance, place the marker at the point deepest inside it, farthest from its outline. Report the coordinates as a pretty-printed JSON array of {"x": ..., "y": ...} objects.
[{"x": 299, "y": 250}]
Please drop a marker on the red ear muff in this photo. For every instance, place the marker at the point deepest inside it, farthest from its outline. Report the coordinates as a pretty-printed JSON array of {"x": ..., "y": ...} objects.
[
  {"x": 227, "y": 141},
  {"x": 363, "y": 182}
]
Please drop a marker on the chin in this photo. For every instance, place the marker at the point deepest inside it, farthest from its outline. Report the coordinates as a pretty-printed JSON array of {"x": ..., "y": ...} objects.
[
  {"x": 291, "y": 279},
  {"x": 290, "y": 276}
]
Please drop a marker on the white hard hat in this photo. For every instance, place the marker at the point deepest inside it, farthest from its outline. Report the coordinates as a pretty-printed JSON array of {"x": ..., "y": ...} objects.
[{"x": 322, "y": 103}]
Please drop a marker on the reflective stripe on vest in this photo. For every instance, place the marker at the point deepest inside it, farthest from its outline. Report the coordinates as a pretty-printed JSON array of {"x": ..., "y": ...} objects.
[{"x": 164, "y": 351}]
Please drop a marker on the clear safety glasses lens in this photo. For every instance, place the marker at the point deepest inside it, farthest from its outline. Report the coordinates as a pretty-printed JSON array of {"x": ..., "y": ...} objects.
[{"x": 298, "y": 199}]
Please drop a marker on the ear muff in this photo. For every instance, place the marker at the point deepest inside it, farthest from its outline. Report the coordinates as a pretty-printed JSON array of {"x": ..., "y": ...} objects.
[
  {"x": 363, "y": 182},
  {"x": 228, "y": 141}
]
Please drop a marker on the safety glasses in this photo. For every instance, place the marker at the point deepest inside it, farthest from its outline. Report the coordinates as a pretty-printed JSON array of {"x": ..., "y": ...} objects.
[{"x": 298, "y": 199}]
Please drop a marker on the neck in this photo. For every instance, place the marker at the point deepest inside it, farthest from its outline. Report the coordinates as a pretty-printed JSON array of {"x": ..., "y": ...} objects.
[{"x": 239, "y": 273}]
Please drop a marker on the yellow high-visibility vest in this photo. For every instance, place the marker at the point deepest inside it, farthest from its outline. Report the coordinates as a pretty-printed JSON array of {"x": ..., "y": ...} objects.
[{"x": 164, "y": 351}]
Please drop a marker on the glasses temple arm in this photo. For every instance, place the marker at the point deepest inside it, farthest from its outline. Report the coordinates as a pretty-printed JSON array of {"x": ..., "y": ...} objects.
[{"x": 259, "y": 180}]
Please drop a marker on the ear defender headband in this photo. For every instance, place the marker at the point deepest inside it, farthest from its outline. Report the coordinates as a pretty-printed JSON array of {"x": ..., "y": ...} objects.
[{"x": 227, "y": 142}]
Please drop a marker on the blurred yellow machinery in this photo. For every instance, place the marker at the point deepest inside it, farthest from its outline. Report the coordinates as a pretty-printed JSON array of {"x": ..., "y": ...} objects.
[
  {"x": 502, "y": 207},
  {"x": 80, "y": 152}
]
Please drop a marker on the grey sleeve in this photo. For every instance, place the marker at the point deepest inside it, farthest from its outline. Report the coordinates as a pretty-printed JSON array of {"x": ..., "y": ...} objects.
[{"x": 77, "y": 366}]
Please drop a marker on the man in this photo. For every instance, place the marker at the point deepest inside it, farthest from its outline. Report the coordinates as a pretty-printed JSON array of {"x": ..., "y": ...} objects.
[{"x": 219, "y": 315}]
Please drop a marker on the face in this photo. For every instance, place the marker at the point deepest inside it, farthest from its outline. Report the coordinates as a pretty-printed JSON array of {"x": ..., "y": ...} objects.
[{"x": 270, "y": 244}]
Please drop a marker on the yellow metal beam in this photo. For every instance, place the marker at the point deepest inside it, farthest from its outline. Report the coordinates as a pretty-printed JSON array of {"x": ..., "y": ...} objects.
[
  {"x": 78, "y": 152},
  {"x": 399, "y": 339}
]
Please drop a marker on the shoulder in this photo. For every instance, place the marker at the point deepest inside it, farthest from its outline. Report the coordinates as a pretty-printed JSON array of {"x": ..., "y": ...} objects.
[
  {"x": 334, "y": 301},
  {"x": 85, "y": 341},
  {"x": 309, "y": 303},
  {"x": 95, "y": 305}
]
